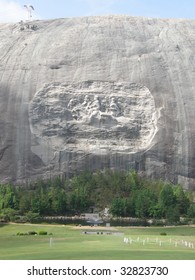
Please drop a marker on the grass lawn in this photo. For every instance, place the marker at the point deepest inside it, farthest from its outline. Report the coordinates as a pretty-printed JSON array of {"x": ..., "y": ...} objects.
[{"x": 69, "y": 243}]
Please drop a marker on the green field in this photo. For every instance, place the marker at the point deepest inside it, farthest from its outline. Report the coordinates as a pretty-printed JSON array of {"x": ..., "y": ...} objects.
[{"x": 70, "y": 243}]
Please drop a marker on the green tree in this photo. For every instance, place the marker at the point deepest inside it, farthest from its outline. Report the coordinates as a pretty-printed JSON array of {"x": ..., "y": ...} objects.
[
  {"x": 119, "y": 207},
  {"x": 145, "y": 199},
  {"x": 130, "y": 206},
  {"x": 24, "y": 201},
  {"x": 167, "y": 198},
  {"x": 8, "y": 198},
  {"x": 191, "y": 211},
  {"x": 172, "y": 214},
  {"x": 58, "y": 201},
  {"x": 79, "y": 201},
  {"x": 133, "y": 180},
  {"x": 182, "y": 200},
  {"x": 156, "y": 211}
]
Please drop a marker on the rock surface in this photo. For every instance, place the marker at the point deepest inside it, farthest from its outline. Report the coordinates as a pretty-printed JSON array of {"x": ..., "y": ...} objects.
[{"x": 98, "y": 92}]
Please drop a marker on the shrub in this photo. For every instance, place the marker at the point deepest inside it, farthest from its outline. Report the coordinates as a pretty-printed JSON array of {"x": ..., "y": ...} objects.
[
  {"x": 20, "y": 219},
  {"x": 42, "y": 232},
  {"x": 32, "y": 217},
  {"x": 158, "y": 222},
  {"x": 163, "y": 233},
  {"x": 32, "y": 232},
  {"x": 4, "y": 218}
]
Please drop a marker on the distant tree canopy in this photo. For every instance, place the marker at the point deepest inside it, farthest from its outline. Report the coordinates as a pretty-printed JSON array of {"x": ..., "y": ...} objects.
[{"x": 125, "y": 193}]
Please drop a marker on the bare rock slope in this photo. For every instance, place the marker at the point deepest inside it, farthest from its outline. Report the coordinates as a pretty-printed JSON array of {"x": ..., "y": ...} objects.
[{"x": 98, "y": 92}]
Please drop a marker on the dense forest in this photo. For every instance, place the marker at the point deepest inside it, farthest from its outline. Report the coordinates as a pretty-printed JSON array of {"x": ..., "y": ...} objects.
[{"x": 126, "y": 194}]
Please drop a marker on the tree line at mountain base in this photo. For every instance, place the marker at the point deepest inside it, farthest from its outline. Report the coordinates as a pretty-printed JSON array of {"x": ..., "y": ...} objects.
[{"x": 126, "y": 194}]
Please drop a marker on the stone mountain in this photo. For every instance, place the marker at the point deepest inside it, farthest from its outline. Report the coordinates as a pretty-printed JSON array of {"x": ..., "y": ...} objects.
[{"x": 98, "y": 92}]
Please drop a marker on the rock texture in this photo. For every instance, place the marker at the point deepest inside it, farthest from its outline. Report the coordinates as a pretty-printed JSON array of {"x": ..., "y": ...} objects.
[{"x": 98, "y": 92}]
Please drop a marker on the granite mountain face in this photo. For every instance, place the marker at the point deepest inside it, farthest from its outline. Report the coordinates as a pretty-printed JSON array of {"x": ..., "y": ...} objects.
[{"x": 98, "y": 92}]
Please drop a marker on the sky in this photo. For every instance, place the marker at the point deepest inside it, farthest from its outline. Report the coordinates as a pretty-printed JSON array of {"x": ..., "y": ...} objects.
[{"x": 13, "y": 10}]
